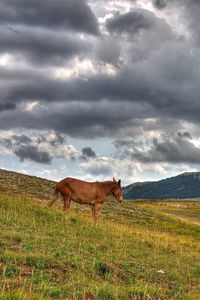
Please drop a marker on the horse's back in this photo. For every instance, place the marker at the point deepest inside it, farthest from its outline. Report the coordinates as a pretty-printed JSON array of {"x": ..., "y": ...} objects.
[
  {"x": 69, "y": 181},
  {"x": 77, "y": 189}
]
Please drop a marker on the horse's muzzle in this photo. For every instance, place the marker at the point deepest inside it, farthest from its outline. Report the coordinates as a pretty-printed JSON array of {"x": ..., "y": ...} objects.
[{"x": 121, "y": 199}]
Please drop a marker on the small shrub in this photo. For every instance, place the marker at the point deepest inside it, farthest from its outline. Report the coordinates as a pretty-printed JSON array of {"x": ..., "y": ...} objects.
[
  {"x": 102, "y": 269},
  {"x": 11, "y": 271}
]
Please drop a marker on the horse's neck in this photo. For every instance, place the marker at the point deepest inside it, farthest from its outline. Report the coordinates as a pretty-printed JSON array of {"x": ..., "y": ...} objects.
[{"x": 107, "y": 187}]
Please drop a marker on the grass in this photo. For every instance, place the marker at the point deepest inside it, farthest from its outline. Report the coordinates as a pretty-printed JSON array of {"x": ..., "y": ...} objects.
[
  {"x": 140, "y": 250},
  {"x": 137, "y": 251}
]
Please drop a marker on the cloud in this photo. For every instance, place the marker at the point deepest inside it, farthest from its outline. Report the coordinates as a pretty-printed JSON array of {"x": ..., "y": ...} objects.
[
  {"x": 41, "y": 148},
  {"x": 108, "y": 51},
  {"x": 53, "y": 138},
  {"x": 88, "y": 153},
  {"x": 41, "y": 46},
  {"x": 176, "y": 150},
  {"x": 78, "y": 119},
  {"x": 155, "y": 76},
  {"x": 7, "y": 106},
  {"x": 98, "y": 167},
  {"x": 136, "y": 80},
  {"x": 22, "y": 139},
  {"x": 32, "y": 153},
  {"x": 185, "y": 135},
  {"x": 160, "y": 3},
  {"x": 60, "y": 14},
  {"x": 119, "y": 143},
  {"x": 105, "y": 168},
  {"x": 131, "y": 22}
]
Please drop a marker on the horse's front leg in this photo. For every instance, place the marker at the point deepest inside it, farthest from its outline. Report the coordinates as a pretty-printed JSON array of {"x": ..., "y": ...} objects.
[
  {"x": 97, "y": 207},
  {"x": 67, "y": 202}
]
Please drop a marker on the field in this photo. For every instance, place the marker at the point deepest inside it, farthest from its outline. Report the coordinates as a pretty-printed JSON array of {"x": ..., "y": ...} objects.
[{"x": 138, "y": 250}]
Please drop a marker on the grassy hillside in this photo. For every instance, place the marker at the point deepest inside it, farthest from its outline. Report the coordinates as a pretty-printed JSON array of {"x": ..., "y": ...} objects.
[
  {"x": 34, "y": 187},
  {"x": 140, "y": 250},
  {"x": 183, "y": 186}
]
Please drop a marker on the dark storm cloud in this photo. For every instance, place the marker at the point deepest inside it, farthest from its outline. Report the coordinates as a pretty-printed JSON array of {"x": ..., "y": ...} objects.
[
  {"x": 164, "y": 86},
  {"x": 131, "y": 22},
  {"x": 32, "y": 153},
  {"x": 25, "y": 147},
  {"x": 185, "y": 135},
  {"x": 157, "y": 77},
  {"x": 108, "y": 51},
  {"x": 160, "y": 3},
  {"x": 59, "y": 14},
  {"x": 22, "y": 139},
  {"x": 21, "y": 146},
  {"x": 41, "y": 46},
  {"x": 177, "y": 150},
  {"x": 77, "y": 119},
  {"x": 88, "y": 153},
  {"x": 7, "y": 106}
]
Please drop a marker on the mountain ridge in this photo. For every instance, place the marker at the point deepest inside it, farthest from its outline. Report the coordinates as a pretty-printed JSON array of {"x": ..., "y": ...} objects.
[{"x": 183, "y": 186}]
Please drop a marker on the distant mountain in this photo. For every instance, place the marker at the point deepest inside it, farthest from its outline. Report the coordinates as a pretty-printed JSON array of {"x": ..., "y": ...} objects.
[{"x": 183, "y": 186}]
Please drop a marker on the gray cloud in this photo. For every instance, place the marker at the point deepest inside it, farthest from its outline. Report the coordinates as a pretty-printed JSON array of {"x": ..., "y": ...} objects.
[
  {"x": 185, "y": 135},
  {"x": 54, "y": 140},
  {"x": 80, "y": 119},
  {"x": 189, "y": 11},
  {"x": 21, "y": 146},
  {"x": 131, "y": 22},
  {"x": 60, "y": 14},
  {"x": 32, "y": 153},
  {"x": 157, "y": 76},
  {"x": 99, "y": 168},
  {"x": 7, "y": 106},
  {"x": 22, "y": 139},
  {"x": 160, "y": 3},
  {"x": 41, "y": 148},
  {"x": 165, "y": 94},
  {"x": 41, "y": 46},
  {"x": 174, "y": 150},
  {"x": 120, "y": 143},
  {"x": 108, "y": 51},
  {"x": 88, "y": 153}
]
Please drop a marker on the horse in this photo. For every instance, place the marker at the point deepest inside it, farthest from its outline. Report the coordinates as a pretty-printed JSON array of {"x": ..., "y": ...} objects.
[{"x": 92, "y": 193}]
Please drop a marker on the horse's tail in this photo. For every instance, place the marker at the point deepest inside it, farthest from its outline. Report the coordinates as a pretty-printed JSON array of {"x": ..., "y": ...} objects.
[{"x": 56, "y": 191}]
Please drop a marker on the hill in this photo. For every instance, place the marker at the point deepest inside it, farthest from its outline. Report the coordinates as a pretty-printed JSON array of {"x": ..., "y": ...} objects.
[
  {"x": 32, "y": 186},
  {"x": 183, "y": 186},
  {"x": 141, "y": 250}
]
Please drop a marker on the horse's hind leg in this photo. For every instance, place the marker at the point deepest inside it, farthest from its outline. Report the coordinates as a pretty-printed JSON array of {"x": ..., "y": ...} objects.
[
  {"x": 92, "y": 209},
  {"x": 67, "y": 202}
]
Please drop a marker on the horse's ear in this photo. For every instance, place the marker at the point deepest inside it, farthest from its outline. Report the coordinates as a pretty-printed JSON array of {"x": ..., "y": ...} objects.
[
  {"x": 119, "y": 183},
  {"x": 114, "y": 179}
]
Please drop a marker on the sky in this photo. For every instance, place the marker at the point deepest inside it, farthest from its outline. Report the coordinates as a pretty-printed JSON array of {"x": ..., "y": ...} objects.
[{"x": 100, "y": 88}]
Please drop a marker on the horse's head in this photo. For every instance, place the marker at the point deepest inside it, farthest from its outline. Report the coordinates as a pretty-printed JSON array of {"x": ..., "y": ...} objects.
[{"x": 117, "y": 192}]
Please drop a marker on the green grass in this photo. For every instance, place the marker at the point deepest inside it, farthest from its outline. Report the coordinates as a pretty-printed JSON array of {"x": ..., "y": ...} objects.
[{"x": 140, "y": 250}]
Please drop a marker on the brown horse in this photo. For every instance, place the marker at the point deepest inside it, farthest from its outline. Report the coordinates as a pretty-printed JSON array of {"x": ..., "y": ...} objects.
[{"x": 83, "y": 192}]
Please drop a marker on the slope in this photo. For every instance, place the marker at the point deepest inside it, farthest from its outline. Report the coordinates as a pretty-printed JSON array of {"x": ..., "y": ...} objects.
[{"x": 140, "y": 250}]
